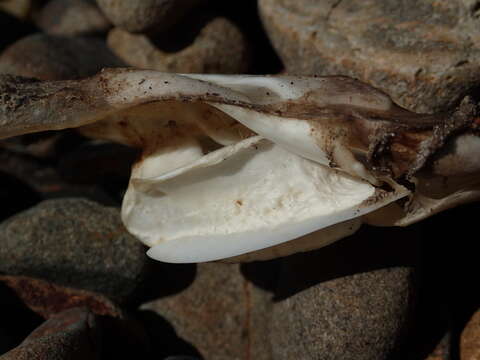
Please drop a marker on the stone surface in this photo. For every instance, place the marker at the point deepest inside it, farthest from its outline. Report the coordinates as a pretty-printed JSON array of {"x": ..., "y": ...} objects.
[
  {"x": 351, "y": 300},
  {"x": 75, "y": 243},
  {"x": 221, "y": 313},
  {"x": 48, "y": 57},
  {"x": 425, "y": 54},
  {"x": 442, "y": 350},
  {"x": 69, "y": 335},
  {"x": 18, "y": 8},
  {"x": 46, "y": 299},
  {"x": 211, "y": 50},
  {"x": 470, "y": 339},
  {"x": 72, "y": 18},
  {"x": 146, "y": 15}
]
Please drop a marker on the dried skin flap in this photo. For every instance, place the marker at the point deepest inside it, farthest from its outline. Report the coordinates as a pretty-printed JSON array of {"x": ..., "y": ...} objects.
[{"x": 207, "y": 188}]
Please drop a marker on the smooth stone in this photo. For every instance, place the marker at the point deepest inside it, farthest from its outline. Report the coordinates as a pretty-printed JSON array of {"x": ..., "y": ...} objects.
[
  {"x": 222, "y": 314},
  {"x": 351, "y": 300},
  {"x": 47, "y": 57},
  {"x": 470, "y": 339},
  {"x": 70, "y": 335},
  {"x": 425, "y": 54},
  {"x": 21, "y": 9},
  {"x": 219, "y": 47},
  {"x": 75, "y": 243},
  {"x": 146, "y": 15},
  {"x": 442, "y": 349},
  {"x": 72, "y": 18}
]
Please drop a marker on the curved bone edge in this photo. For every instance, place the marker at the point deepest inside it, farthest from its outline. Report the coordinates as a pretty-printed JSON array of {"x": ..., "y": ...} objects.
[
  {"x": 312, "y": 241},
  {"x": 214, "y": 246},
  {"x": 29, "y": 106}
]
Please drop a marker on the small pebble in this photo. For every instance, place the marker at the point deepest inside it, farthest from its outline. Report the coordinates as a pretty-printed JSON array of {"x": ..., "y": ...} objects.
[
  {"x": 146, "y": 15},
  {"x": 209, "y": 52},
  {"x": 352, "y": 300},
  {"x": 470, "y": 339},
  {"x": 72, "y": 334},
  {"x": 72, "y": 18},
  {"x": 47, "y": 57},
  {"x": 74, "y": 243}
]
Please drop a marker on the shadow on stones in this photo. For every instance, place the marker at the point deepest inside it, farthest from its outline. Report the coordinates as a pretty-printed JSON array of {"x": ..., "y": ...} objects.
[
  {"x": 166, "y": 279},
  {"x": 371, "y": 248},
  {"x": 244, "y": 14},
  {"x": 17, "y": 321},
  {"x": 163, "y": 339},
  {"x": 15, "y": 196},
  {"x": 450, "y": 271}
]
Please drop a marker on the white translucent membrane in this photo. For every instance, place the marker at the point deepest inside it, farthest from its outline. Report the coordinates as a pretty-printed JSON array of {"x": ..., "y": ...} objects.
[{"x": 241, "y": 198}]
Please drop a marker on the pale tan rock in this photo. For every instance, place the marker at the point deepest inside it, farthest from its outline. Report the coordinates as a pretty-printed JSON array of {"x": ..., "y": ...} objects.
[
  {"x": 470, "y": 339},
  {"x": 425, "y": 54},
  {"x": 146, "y": 15},
  {"x": 72, "y": 18},
  {"x": 220, "y": 47}
]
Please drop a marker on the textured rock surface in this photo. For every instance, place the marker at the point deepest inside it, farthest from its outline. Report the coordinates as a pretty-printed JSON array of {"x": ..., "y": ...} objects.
[
  {"x": 470, "y": 339},
  {"x": 72, "y": 18},
  {"x": 48, "y": 57},
  {"x": 222, "y": 314},
  {"x": 425, "y": 54},
  {"x": 210, "y": 52},
  {"x": 146, "y": 15},
  {"x": 70, "y": 335},
  {"x": 75, "y": 243},
  {"x": 351, "y": 300}
]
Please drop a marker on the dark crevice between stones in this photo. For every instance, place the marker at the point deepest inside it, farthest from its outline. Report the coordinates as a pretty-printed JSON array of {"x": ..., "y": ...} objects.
[
  {"x": 17, "y": 320},
  {"x": 163, "y": 339}
]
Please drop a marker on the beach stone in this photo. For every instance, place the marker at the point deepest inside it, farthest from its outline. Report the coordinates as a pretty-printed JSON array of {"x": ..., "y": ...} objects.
[
  {"x": 147, "y": 15},
  {"x": 70, "y": 335},
  {"x": 75, "y": 243},
  {"x": 72, "y": 18},
  {"x": 47, "y": 57},
  {"x": 425, "y": 54},
  {"x": 210, "y": 52},
  {"x": 21, "y": 9},
  {"x": 222, "y": 314},
  {"x": 470, "y": 339},
  {"x": 351, "y": 300}
]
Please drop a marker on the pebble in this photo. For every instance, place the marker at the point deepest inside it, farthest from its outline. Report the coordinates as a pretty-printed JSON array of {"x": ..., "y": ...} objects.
[
  {"x": 75, "y": 243},
  {"x": 422, "y": 53},
  {"x": 20, "y": 9},
  {"x": 47, "y": 57},
  {"x": 351, "y": 300},
  {"x": 72, "y": 334},
  {"x": 470, "y": 339},
  {"x": 72, "y": 18},
  {"x": 146, "y": 15},
  {"x": 208, "y": 52},
  {"x": 222, "y": 314}
]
